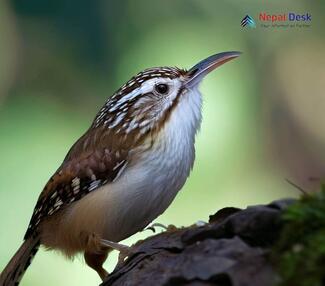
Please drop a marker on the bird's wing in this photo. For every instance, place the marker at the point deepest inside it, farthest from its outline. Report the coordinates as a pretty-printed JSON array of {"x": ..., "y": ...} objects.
[{"x": 94, "y": 160}]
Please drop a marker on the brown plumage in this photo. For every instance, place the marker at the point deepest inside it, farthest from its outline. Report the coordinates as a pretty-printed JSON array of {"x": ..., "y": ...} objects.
[
  {"x": 98, "y": 156},
  {"x": 94, "y": 160},
  {"x": 123, "y": 172}
]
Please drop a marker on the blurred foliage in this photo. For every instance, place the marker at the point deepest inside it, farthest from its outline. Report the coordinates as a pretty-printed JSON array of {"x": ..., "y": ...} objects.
[
  {"x": 300, "y": 251},
  {"x": 60, "y": 60}
]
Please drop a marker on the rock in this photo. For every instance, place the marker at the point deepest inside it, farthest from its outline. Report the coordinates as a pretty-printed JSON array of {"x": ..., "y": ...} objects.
[{"x": 231, "y": 250}]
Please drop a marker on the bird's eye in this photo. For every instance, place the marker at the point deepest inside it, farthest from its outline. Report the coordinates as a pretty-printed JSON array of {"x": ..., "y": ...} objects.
[{"x": 161, "y": 88}]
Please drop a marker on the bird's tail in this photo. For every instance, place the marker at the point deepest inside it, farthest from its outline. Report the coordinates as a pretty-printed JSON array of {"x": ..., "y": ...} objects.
[{"x": 15, "y": 269}]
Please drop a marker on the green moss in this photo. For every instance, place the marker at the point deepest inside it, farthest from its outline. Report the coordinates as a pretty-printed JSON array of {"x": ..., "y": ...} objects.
[{"x": 299, "y": 255}]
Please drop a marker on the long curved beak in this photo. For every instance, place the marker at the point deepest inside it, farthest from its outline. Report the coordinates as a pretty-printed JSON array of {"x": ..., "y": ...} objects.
[{"x": 200, "y": 70}]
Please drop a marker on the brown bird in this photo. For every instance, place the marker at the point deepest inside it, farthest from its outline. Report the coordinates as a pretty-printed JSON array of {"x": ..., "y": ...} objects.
[{"x": 123, "y": 172}]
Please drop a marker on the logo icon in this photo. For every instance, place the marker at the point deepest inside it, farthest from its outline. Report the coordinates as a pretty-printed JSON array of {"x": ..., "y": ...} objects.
[{"x": 248, "y": 21}]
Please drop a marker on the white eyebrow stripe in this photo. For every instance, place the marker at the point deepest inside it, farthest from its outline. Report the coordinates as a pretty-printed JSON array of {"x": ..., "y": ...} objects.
[
  {"x": 133, "y": 94},
  {"x": 146, "y": 87}
]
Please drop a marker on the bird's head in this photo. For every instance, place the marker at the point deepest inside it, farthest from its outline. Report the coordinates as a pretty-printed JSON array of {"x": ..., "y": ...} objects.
[{"x": 147, "y": 99}]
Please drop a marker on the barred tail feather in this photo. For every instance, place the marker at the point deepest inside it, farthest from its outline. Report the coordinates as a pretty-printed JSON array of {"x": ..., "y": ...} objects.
[{"x": 15, "y": 269}]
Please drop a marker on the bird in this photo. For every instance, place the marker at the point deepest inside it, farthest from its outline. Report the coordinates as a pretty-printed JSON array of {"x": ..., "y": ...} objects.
[{"x": 123, "y": 172}]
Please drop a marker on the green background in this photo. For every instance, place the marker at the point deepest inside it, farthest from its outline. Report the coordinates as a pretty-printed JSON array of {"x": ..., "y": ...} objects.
[{"x": 263, "y": 114}]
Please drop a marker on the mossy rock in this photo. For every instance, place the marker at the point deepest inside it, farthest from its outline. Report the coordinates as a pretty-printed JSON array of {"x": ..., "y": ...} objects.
[{"x": 278, "y": 244}]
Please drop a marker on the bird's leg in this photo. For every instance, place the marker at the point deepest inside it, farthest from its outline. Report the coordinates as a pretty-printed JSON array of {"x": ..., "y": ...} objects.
[
  {"x": 96, "y": 261},
  {"x": 124, "y": 250},
  {"x": 95, "y": 254}
]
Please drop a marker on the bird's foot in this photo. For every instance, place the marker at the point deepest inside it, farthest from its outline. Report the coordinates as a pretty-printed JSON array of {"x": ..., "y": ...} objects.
[
  {"x": 124, "y": 250},
  {"x": 152, "y": 227}
]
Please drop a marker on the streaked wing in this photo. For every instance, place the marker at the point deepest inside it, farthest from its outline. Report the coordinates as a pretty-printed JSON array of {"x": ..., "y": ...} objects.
[{"x": 87, "y": 166}]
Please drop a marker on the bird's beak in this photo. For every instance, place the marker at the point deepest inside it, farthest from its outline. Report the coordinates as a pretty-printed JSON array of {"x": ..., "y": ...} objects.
[{"x": 200, "y": 70}]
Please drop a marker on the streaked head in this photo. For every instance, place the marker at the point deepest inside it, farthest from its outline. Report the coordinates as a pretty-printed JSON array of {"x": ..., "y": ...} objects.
[{"x": 147, "y": 99}]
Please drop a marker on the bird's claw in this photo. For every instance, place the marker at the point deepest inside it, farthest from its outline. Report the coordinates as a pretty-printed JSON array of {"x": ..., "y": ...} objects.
[{"x": 170, "y": 227}]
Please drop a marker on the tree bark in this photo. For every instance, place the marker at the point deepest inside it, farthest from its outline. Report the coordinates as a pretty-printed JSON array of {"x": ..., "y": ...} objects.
[{"x": 231, "y": 250}]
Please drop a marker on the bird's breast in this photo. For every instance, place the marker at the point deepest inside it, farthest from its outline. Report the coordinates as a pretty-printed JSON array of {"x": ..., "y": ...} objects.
[{"x": 149, "y": 185}]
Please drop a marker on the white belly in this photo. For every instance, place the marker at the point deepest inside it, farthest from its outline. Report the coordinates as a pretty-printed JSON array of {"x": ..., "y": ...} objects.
[{"x": 147, "y": 189}]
